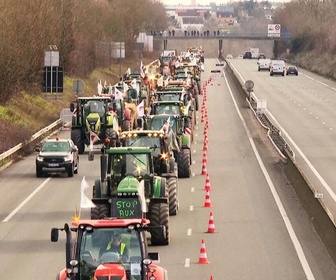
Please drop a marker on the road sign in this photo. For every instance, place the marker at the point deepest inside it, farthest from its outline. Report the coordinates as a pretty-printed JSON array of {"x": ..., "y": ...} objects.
[
  {"x": 274, "y": 30},
  {"x": 78, "y": 86},
  {"x": 249, "y": 85}
]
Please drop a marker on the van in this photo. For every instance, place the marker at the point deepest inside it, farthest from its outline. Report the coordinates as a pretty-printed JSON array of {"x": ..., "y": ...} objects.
[
  {"x": 277, "y": 67},
  {"x": 264, "y": 64}
]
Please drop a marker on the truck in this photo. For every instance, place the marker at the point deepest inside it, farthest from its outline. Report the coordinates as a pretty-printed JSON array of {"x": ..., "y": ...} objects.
[
  {"x": 254, "y": 52},
  {"x": 83, "y": 260}
]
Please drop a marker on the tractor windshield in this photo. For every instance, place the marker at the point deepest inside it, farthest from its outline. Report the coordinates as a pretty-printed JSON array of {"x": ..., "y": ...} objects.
[
  {"x": 96, "y": 107},
  {"x": 169, "y": 109},
  {"x": 160, "y": 122},
  {"x": 108, "y": 246},
  {"x": 131, "y": 164},
  {"x": 145, "y": 141}
]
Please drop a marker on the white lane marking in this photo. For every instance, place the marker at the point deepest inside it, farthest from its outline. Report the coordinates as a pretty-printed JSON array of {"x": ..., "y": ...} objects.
[
  {"x": 187, "y": 262},
  {"x": 189, "y": 231},
  {"x": 295, "y": 241},
  {"x": 191, "y": 208},
  {"x": 192, "y": 189},
  {"x": 23, "y": 203}
]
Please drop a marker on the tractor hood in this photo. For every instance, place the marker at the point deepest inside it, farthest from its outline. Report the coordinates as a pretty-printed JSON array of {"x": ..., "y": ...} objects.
[
  {"x": 110, "y": 271},
  {"x": 129, "y": 184}
]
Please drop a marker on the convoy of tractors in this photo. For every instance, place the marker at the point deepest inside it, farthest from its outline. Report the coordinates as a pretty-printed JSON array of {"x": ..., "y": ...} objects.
[{"x": 145, "y": 126}]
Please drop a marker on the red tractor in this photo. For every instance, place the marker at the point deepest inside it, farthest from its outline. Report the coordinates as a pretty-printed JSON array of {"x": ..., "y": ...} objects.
[{"x": 90, "y": 257}]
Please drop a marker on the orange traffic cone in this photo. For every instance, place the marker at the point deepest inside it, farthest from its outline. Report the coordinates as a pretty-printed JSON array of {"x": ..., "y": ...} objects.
[
  {"x": 207, "y": 186},
  {"x": 203, "y": 259},
  {"x": 207, "y": 123},
  {"x": 206, "y": 138},
  {"x": 204, "y": 158},
  {"x": 207, "y": 202},
  {"x": 204, "y": 169},
  {"x": 211, "y": 225},
  {"x": 211, "y": 278},
  {"x": 205, "y": 146}
]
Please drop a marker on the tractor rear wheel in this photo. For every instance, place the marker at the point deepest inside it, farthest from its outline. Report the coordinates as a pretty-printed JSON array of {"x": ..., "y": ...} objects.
[
  {"x": 76, "y": 137},
  {"x": 159, "y": 216},
  {"x": 126, "y": 125},
  {"x": 183, "y": 162},
  {"x": 100, "y": 211},
  {"x": 113, "y": 136},
  {"x": 173, "y": 198}
]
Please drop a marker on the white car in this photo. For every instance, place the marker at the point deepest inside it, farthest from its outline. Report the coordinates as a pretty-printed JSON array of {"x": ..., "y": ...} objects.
[{"x": 277, "y": 67}]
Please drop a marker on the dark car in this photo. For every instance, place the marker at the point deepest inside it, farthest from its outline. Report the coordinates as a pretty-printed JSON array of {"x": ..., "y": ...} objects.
[
  {"x": 247, "y": 55},
  {"x": 292, "y": 70},
  {"x": 57, "y": 156},
  {"x": 261, "y": 56}
]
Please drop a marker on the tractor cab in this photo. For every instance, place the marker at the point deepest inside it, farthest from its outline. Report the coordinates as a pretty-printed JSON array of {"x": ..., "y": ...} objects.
[{"x": 89, "y": 254}]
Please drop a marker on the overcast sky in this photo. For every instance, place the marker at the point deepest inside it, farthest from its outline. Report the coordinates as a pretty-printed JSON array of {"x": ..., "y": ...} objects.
[{"x": 207, "y": 2}]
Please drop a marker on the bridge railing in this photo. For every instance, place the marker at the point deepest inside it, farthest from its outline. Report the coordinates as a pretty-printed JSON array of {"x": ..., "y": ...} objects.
[{"x": 218, "y": 34}]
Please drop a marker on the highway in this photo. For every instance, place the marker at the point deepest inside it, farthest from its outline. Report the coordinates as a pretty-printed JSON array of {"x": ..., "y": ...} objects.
[
  {"x": 303, "y": 107},
  {"x": 262, "y": 231}
]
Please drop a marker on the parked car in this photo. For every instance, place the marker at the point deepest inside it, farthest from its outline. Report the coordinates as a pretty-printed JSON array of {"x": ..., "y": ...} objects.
[
  {"x": 247, "y": 55},
  {"x": 57, "y": 156},
  {"x": 229, "y": 56},
  {"x": 292, "y": 70},
  {"x": 277, "y": 67}
]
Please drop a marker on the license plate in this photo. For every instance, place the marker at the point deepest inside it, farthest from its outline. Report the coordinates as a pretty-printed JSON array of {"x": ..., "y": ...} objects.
[{"x": 53, "y": 164}]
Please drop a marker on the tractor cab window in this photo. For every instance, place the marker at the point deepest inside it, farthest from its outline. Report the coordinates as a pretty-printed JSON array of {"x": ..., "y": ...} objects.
[
  {"x": 131, "y": 164},
  {"x": 150, "y": 142},
  {"x": 96, "y": 107},
  {"x": 169, "y": 109},
  {"x": 161, "y": 122}
]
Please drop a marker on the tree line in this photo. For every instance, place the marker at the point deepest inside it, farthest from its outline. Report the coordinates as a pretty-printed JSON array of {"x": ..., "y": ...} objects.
[{"x": 76, "y": 27}]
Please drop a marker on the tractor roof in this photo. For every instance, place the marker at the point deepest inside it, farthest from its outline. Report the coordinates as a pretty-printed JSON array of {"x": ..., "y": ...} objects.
[
  {"x": 129, "y": 150},
  {"x": 140, "y": 133},
  {"x": 96, "y": 98},
  {"x": 111, "y": 223}
]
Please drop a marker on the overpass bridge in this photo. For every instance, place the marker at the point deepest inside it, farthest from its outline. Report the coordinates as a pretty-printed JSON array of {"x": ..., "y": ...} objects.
[{"x": 231, "y": 43}]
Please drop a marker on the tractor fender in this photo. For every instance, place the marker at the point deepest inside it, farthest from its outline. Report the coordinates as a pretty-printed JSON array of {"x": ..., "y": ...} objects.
[
  {"x": 160, "y": 273},
  {"x": 159, "y": 187},
  {"x": 168, "y": 175},
  {"x": 186, "y": 140},
  {"x": 155, "y": 200}
]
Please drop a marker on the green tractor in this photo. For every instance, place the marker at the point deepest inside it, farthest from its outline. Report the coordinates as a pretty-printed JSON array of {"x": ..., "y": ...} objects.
[
  {"x": 178, "y": 131},
  {"x": 163, "y": 158},
  {"x": 128, "y": 188},
  {"x": 93, "y": 118}
]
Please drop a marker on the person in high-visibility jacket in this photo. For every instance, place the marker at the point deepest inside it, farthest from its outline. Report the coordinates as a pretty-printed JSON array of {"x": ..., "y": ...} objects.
[{"x": 116, "y": 245}]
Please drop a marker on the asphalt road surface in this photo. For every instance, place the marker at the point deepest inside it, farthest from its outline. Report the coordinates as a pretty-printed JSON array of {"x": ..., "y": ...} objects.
[{"x": 262, "y": 231}]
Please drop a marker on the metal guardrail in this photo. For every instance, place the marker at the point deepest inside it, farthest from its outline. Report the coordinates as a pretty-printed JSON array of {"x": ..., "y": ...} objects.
[
  {"x": 38, "y": 134},
  {"x": 64, "y": 120}
]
